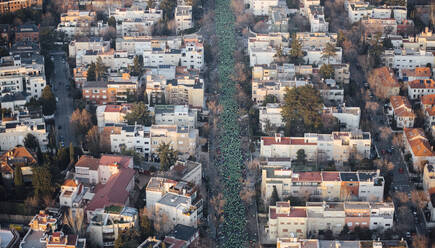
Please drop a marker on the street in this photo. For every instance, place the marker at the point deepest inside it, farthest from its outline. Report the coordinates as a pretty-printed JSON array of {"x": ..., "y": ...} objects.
[{"x": 65, "y": 103}]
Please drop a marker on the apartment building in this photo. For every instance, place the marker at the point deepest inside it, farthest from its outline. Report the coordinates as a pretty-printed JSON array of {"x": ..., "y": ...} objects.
[
  {"x": 61, "y": 240},
  {"x": 183, "y": 18},
  {"x": 279, "y": 18},
  {"x": 262, "y": 88},
  {"x": 373, "y": 26},
  {"x": 40, "y": 224},
  {"x": 138, "y": 45},
  {"x": 261, "y": 7},
  {"x": 186, "y": 89},
  {"x": 155, "y": 189},
  {"x": 427, "y": 101},
  {"x": 27, "y": 32},
  {"x": 270, "y": 116},
  {"x": 406, "y": 58},
  {"x": 132, "y": 137},
  {"x": 358, "y": 10},
  {"x": 316, "y": 39},
  {"x": 337, "y": 146},
  {"x": 316, "y": 17},
  {"x": 79, "y": 47},
  {"x": 95, "y": 92},
  {"x": 183, "y": 140},
  {"x": 426, "y": 40},
  {"x": 187, "y": 171},
  {"x": 307, "y": 243},
  {"x": 17, "y": 157},
  {"x": 116, "y": 90},
  {"x": 418, "y": 73},
  {"x": 19, "y": 77},
  {"x": 429, "y": 179},
  {"x": 72, "y": 194},
  {"x": 179, "y": 115},
  {"x": 286, "y": 221},
  {"x": 13, "y": 132},
  {"x": 402, "y": 111},
  {"x": 314, "y": 55},
  {"x": 113, "y": 59},
  {"x": 274, "y": 72},
  {"x": 135, "y": 22},
  {"x": 348, "y": 117},
  {"x": 419, "y": 88},
  {"x": 182, "y": 204},
  {"x": 180, "y": 236},
  {"x": 14, "y": 5},
  {"x": 341, "y": 73},
  {"x": 306, "y": 5},
  {"x": 108, "y": 222},
  {"x": 81, "y": 23},
  {"x": 324, "y": 185},
  {"x": 155, "y": 88},
  {"x": 418, "y": 146},
  {"x": 112, "y": 114}
]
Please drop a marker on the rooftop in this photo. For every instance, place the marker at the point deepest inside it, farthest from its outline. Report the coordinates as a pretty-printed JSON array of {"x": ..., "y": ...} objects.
[
  {"x": 422, "y": 84},
  {"x": 419, "y": 144}
]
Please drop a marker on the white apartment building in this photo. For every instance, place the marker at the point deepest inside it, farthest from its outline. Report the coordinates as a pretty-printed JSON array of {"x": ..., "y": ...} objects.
[
  {"x": 179, "y": 115},
  {"x": 135, "y": 22},
  {"x": 286, "y": 221},
  {"x": 183, "y": 140},
  {"x": 132, "y": 137},
  {"x": 111, "y": 114},
  {"x": 419, "y": 88},
  {"x": 81, "y": 23},
  {"x": 322, "y": 185},
  {"x": 426, "y": 40},
  {"x": 314, "y": 56},
  {"x": 183, "y": 18},
  {"x": 332, "y": 92},
  {"x": 316, "y": 17},
  {"x": 187, "y": 171},
  {"x": 112, "y": 59},
  {"x": 261, "y": 89},
  {"x": 76, "y": 47},
  {"x": 180, "y": 205},
  {"x": 270, "y": 116},
  {"x": 261, "y": 55},
  {"x": 261, "y": 7},
  {"x": 410, "y": 59},
  {"x": 317, "y": 39},
  {"x": 347, "y": 116},
  {"x": 12, "y": 133},
  {"x": 186, "y": 89},
  {"x": 72, "y": 194},
  {"x": 337, "y": 146},
  {"x": 306, "y": 5},
  {"x": 107, "y": 223},
  {"x": 155, "y": 189},
  {"x": 138, "y": 45},
  {"x": 418, "y": 146},
  {"x": 402, "y": 111}
]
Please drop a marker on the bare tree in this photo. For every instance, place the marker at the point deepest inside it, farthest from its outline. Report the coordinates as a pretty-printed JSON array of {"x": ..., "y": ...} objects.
[
  {"x": 402, "y": 196},
  {"x": 75, "y": 220},
  {"x": 419, "y": 198},
  {"x": 420, "y": 241}
]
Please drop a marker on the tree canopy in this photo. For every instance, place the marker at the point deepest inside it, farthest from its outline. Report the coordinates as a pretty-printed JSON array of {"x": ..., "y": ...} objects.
[
  {"x": 41, "y": 180},
  {"x": 327, "y": 71},
  {"x": 329, "y": 51},
  {"x": 168, "y": 156},
  {"x": 31, "y": 142},
  {"x": 301, "y": 110},
  {"x": 139, "y": 114},
  {"x": 48, "y": 101},
  {"x": 91, "y": 76},
  {"x": 93, "y": 141},
  {"x": 81, "y": 122},
  {"x": 127, "y": 239},
  {"x": 296, "y": 53}
]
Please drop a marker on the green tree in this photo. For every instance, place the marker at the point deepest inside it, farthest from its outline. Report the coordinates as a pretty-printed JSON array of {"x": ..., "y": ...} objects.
[
  {"x": 146, "y": 225},
  {"x": 168, "y": 7},
  {"x": 301, "y": 110},
  {"x": 18, "y": 176},
  {"x": 91, "y": 75},
  {"x": 296, "y": 53},
  {"x": 48, "y": 101},
  {"x": 71, "y": 153},
  {"x": 139, "y": 114},
  {"x": 327, "y": 71},
  {"x": 274, "y": 198},
  {"x": 329, "y": 51},
  {"x": 137, "y": 68},
  {"x": 340, "y": 38},
  {"x": 41, "y": 180},
  {"x": 127, "y": 239},
  {"x": 301, "y": 157},
  {"x": 167, "y": 155},
  {"x": 62, "y": 158},
  {"x": 93, "y": 141},
  {"x": 31, "y": 142},
  {"x": 100, "y": 69},
  {"x": 111, "y": 22},
  {"x": 81, "y": 122},
  {"x": 376, "y": 49},
  {"x": 270, "y": 99}
]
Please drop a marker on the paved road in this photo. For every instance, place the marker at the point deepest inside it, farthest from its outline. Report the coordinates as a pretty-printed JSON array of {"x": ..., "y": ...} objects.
[{"x": 65, "y": 102}]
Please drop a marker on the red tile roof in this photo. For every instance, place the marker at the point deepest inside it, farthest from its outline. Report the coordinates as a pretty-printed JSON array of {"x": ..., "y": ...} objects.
[
  {"x": 307, "y": 177},
  {"x": 331, "y": 176},
  {"x": 70, "y": 183},
  {"x": 114, "y": 192},
  {"x": 422, "y": 84},
  {"x": 418, "y": 142},
  {"x": 267, "y": 141},
  {"x": 300, "y": 141},
  {"x": 123, "y": 161},
  {"x": 401, "y": 106},
  {"x": 88, "y": 161},
  {"x": 417, "y": 72},
  {"x": 428, "y": 99},
  {"x": 385, "y": 78},
  {"x": 294, "y": 213}
]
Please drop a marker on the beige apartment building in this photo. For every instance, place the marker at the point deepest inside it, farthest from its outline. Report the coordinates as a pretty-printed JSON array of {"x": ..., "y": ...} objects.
[
  {"x": 286, "y": 221},
  {"x": 324, "y": 185},
  {"x": 183, "y": 140}
]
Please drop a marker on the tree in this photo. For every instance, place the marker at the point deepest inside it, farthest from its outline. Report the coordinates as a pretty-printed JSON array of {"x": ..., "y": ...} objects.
[
  {"x": 62, "y": 158},
  {"x": 91, "y": 75},
  {"x": 93, "y": 141},
  {"x": 420, "y": 241},
  {"x": 301, "y": 110},
  {"x": 376, "y": 49},
  {"x": 327, "y": 71},
  {"x": 146, "y": 225},
  {"x": 41, "y": 180},
  {"x": 270, "y": 99},
  {"x": 31, "y": 142},
  {"x": 18, "y": 176},
  {"x": 296, "y": 53},
  {"x": 168, "y": 156},
  {"x": 81, "y": 122},
  {"x": 150, "y": 4},
  {"x": 75, "y": 220},
  {"x": 301, "y": 157},
  {"x": 275, "y": 197},
  {"x": 111, "y": 22},
  {"x": 139, "y": 114},
  {"x": 168, "y": 7},
  {"x": 329, "y": 51},
  {"x": 100, "y": 69},
  {"x": 344, "y": 234},
  {"x": 127, "y": 239},
  {"x": 419, "y": 198},
  {"x": 48, "y": 101},
  {"x": 71, "y": 153},
  {"x": 136, "y": 69}
]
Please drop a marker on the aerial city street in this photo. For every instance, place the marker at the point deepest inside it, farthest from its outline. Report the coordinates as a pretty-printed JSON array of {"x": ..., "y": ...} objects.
[{"x": 217, "y": 123}]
